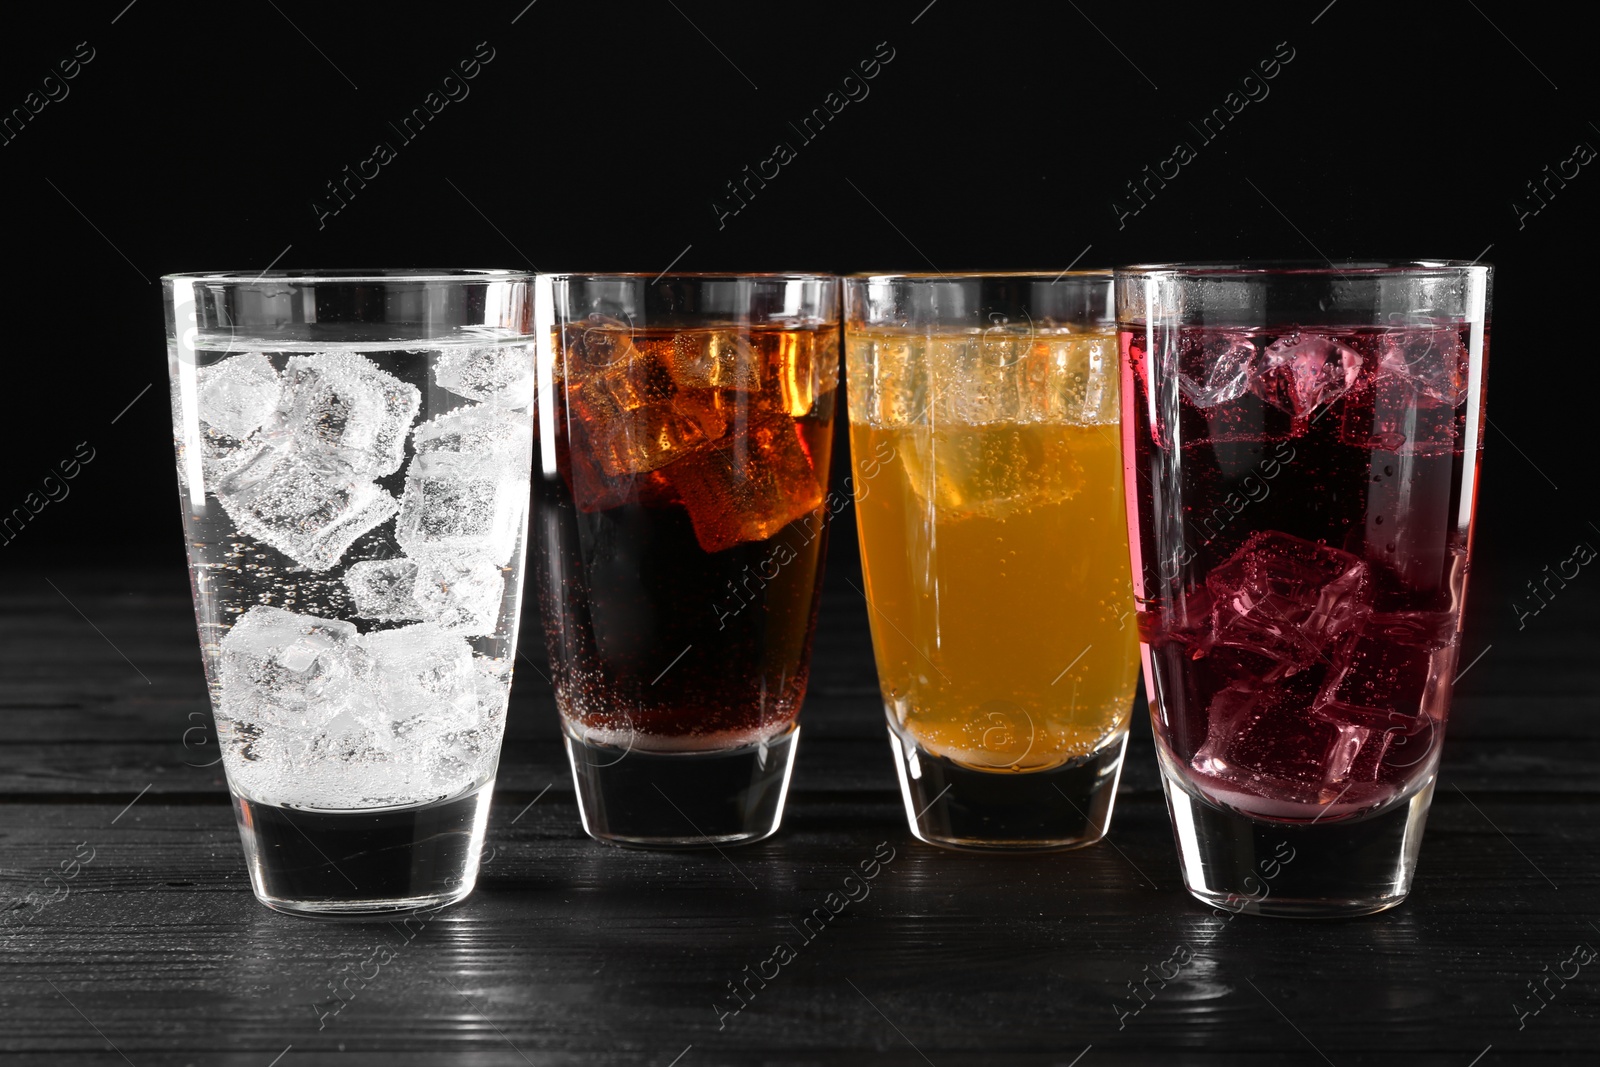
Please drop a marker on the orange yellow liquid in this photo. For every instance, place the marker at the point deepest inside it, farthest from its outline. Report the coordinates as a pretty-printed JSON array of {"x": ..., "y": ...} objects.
[{"x": 996, "y": 563}]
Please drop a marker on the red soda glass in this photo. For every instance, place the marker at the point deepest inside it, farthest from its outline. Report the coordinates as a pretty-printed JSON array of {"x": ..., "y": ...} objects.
[{"x": 1302, "y": 450}]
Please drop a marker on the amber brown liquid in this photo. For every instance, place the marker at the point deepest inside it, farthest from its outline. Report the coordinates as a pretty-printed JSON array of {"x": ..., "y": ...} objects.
[{"x": 679, "y": 544}]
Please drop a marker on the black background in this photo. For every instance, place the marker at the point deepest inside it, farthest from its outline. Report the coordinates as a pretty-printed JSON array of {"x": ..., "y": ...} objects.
[{"x": 598, "y": 137}]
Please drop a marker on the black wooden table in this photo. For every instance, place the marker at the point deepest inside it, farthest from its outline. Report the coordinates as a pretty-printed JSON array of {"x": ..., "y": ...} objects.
[{"x": 129, "y": 933}]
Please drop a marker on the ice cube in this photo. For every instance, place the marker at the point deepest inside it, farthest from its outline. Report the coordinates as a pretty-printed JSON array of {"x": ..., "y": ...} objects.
[
  {"x": 1394, "y": 672},
  {"x": 1070, "y": 380},
  {"x": 1216, "y": 371},
  {"x": 709, "y": 359},
  {"x": 1092, "y": 374},
  {"x": 644, "y": 440},
  {"x": 889, "y": 381},
  {"x": 342, "y": 413},
  {"x": 307, "y": 513},
  {"x": 1430, "y": 358},
  {"x": 468, "y": 755},
  {"x": 459, "y": 593},
  {"x": 1280, "y": 603},
  {"x": 222, "y": 454},
  {"x": 384, "y": 589},
  {"x": 1266, "y": 742},
  {"x": 747, "y": 487},
  {"x": 990, "y": 471},
  {"x": 593, "y": 490},
  {"x": 494, "y": 689},
  {"x": 423, "y": 680},
  {"x": 637, "y": 421},
  {"x": 591, "y": 344},
  {"x": 458, "y": 503},
  {"x": 288, "y": 672},
  {"x": 237, "y": 395},
  {"x": 404, "y": 716},
  {"x": 1301, "y": 372},
  {"x": 501, "y": 374},
  {"x": 477, "y": 430},
  {"x": 977, "y": 381},
  {"x": 627, "y": 385}
]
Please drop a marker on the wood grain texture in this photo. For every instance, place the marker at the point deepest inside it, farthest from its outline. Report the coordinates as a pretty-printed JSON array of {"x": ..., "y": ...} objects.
[{"x": 572, "y": 952}]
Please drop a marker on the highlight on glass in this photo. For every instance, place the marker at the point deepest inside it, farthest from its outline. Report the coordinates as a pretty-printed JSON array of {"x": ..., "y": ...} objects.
[
  {"x": 1303, "y": 445},
  {"x": 353, "y": 453},
  {"x": 685, "y": 427},
  {"x": 989, "y": 503}
]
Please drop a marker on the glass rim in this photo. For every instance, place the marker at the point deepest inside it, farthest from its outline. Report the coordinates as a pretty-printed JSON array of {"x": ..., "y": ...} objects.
[
  {"x": 974, "y": 275},
  {"x": 1287, "y": 267},
  {"x": 351, "y": 274},
  {"x": 690, "y": 275}
]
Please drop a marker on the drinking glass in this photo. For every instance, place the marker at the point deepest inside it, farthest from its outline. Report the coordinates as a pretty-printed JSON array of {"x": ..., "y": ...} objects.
[
  {"x": 1303, "y": 444},
  {"x": 681, "y": 504},
  {"x": 989, "y": 502},
  {"x": 353, "y": 458}
]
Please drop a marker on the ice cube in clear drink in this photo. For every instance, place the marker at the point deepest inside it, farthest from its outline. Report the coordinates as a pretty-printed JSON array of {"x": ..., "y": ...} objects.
[
  {"x": 384, "y": 589},
  {"x": 468, "y": 754},
  {"x": 306, "y": 512},
  {"x": 423, "y": 680},
  {"x": 499, "y": 374},
  {"x": 476, "y": 430},
  {"x": 286, "y": 672},
  {"x": 342, "y": 412},
  {"x": 459, "y": 593},
  {"x": 458, "y": 503},
  {"x": 237, "y": 395}
]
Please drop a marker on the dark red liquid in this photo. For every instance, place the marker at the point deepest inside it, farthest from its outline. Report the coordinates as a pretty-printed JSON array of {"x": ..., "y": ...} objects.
[
  {"x": 1301, "y": 555},
  {"x": 678, "y": 546}
]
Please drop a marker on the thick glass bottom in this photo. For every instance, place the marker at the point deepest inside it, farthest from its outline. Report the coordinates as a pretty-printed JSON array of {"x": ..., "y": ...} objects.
[
  {"x": 682, "y": 799},
  {"x": 954, "y": 806},
  {"x": 1314, "y": 869},
  {"x": 364, "y": 864}
]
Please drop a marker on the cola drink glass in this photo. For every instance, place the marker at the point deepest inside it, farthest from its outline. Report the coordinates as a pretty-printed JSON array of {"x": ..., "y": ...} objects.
[
  {"x": 1302, "y": 447},
  {"x": 681, "y": 503}
]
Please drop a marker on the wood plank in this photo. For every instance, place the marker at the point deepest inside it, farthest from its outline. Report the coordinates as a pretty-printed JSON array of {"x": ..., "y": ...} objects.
[{"x": 577, "y": 952}]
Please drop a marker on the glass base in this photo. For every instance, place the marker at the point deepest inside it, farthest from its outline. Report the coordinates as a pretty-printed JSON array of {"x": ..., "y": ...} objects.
[
  {"x": 682, "y": 799},
  {"x": 954, "y": 806},
  {"x": 364, "y": 864},
  {"x": 1317, "y": 869}
]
